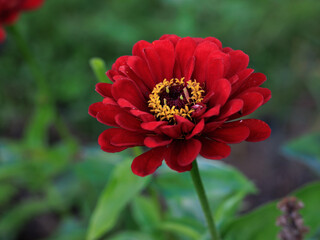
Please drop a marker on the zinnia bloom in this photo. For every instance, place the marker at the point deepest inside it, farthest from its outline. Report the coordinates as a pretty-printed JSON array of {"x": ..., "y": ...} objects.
[
  {"x": 10, "y": 11},
  {"x": 180, "y": 97}
]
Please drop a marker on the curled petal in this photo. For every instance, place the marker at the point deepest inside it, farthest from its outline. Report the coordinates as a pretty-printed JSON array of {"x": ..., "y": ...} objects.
[
  {"x": 181, "y": 154},
  {"x": 128, "y": 122},
  {"x": 148, "y": 162},
  {"x": 232, "y": 107},
  {"x": 125, "y": 138},
  {"x": 104, "y": 141},
  {"x": 128, "y": 90},
  {"x": 197, "y": 129},
  {"x": 154, "y": 125},
  {"x": 228, "y": 133},
  {"x": 156, "y": 141},
  {"x": 222, "y": 90},
  {"x": 259, "y": 130},
  {"x": 95, "y": 108},
  {"x": 104, "y": 89},
  {"x": 238, "y": 61},
  {"x": 214, "y": 150}
]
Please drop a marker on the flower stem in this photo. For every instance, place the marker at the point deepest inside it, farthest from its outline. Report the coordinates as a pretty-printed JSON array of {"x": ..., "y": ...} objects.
[
  {"x": 203, "y": 200},
  {"x": 45, "y": 112}
]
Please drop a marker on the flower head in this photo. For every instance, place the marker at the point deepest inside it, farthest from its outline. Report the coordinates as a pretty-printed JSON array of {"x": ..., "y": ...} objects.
[
  {"x": 10, "y": 11},
  {"x": 180, "y": 97}
]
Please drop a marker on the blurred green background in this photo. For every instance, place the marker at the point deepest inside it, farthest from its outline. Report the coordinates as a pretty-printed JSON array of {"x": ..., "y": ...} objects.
[{"x": 50, "y": 191}]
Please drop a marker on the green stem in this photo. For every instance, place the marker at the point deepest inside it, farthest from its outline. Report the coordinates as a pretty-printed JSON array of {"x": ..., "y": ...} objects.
[
  {"x": 45, "y": 112},
  {"x": 203, "y": 200}
]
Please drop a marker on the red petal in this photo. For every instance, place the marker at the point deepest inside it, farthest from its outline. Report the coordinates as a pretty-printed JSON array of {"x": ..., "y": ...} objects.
[
  {"x": 95, "y": 108},
  {"x": 215, "y": 70},
  {"x": 212, "y": 112},
  {"x": 173, "y": 38},
  {"x": 182, "y": 153},
  {"x": 201, "y": 54},
  {"x": 128, "y": 122},
  {"x": 186, "y": 125},
  {"x": 210, "y": 127},
  {"x": 124, "y": 138},
  {"x": 31, "y": 4},
  {"x": 259, "y": 130},
  {"x": 214, "y": 150},
  {"x": 148, "y": 162},
  {"x": 156, "y": 141},
  {"x": 154, "y": 125},
  {"x": 214, "y": 40},
  {"x": 187, "y": 151},
  {"x": 232, "y": 107},
  {"x": 140, "y": 68},
  {"x": 230, "y": 133},
  {"x": 104, "y": 89},
  {"x": 197, "y": 129},
  {"x": 184, "y": 52},
  {"x": 107, "y": 116},
  {"x": 238, "y": 61},
  {"x": 137, "y": 49},
  {"x": 127, "y": 71},
  {"x": 222, "y": 90},
  {"x": 128, "y": 90},
  {"x": 165, "y": 50},
  {"x": 104, "y": 141},
  {"x": 173, "y": 131},
  {"x": 242, "y": 77},
  {"x": 251, "y": 101},
  {"x": 255, "y": 80},
  {"x": 265, "y": 92},
  {"x": 153, "y": 60},
  {"x": 144, "y": 116}
]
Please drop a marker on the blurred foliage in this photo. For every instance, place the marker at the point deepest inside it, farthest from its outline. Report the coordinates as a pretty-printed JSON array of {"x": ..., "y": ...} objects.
[
  {"x": 87, "y": 192},
  {"x": 305, "y": 149}
]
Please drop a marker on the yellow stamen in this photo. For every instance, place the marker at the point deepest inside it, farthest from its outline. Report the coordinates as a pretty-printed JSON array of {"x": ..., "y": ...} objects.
[{"x": 164, "y": 112}]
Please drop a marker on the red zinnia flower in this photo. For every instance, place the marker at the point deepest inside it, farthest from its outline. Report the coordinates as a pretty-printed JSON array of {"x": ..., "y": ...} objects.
[
  {"x": 10, "y": 10},
  {"x": 180, "y": 97}
]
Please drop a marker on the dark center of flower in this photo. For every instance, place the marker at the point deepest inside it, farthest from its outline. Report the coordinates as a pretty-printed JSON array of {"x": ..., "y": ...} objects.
[{"x": 175, "y": 97}]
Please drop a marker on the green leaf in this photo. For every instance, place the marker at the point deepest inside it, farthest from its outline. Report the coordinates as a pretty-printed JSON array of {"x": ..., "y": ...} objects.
[
  {"x": 183, "y": 227},
  {"x": 225, "y": 187},
  {"x": 260, "y": 223},
  {"x": 131, "y": 235},
  {"x": 146, "y": 213},
  {"x": 99, "y": 68},
  {"x": 6, "y": 192},
  {"x": 122, "y": 187},
  {"x": 306, "y": 150}
]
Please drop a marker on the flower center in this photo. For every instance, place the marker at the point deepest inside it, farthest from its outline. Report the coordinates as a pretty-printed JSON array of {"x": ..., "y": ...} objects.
[{"x": 175, "y": 97}]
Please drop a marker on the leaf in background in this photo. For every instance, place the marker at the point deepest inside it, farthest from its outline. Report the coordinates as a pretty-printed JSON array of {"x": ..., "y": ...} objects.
[
  {"x": 99, "y": 68},
  {"x": 187, "y": 227},
  {"x": 146, "y": 213},
  {"x": 225, "y": 187},
  {"x": 122, "y": 187},
  {"x": 261, "y": 223},
  {"x": 69, "y": 229},
  {"x": 305, "y": 149},
  {"x": 6, "y": 192},
  {"x": 130, "y": 235}
]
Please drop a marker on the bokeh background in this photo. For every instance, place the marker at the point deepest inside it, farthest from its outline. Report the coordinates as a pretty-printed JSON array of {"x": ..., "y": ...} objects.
[{"x": 50, "y": 192}]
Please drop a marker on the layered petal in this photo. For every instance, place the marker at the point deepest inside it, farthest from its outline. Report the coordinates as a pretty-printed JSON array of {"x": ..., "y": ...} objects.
[
  {"x": 212, "y": 149},
  {"x": 148, "y": 162}
]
